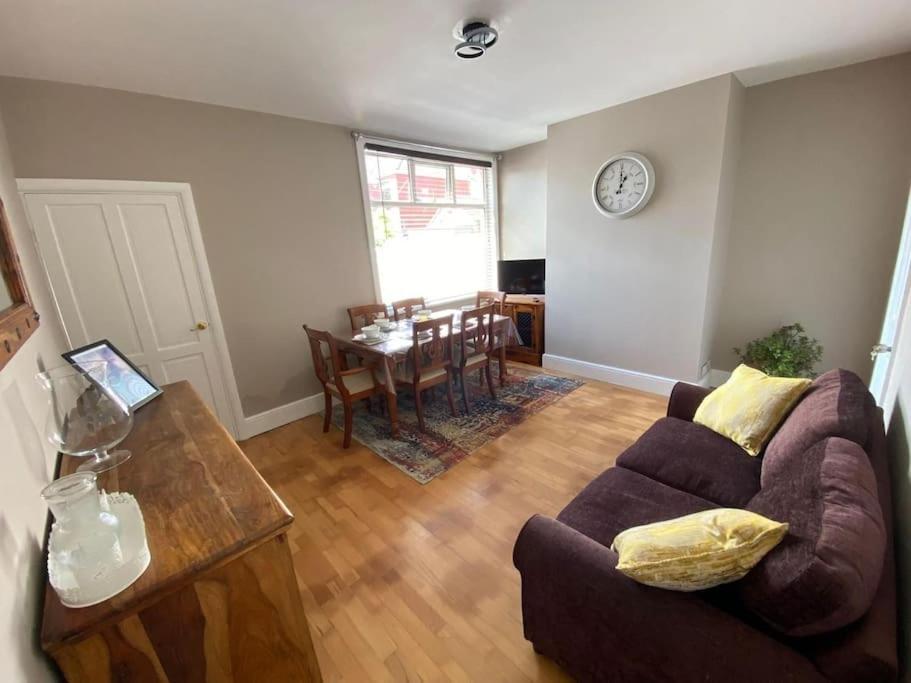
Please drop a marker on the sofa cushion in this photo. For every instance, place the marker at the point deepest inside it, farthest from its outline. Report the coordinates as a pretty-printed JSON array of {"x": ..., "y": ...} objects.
[
  {"x": 836, "y": 404},
  {"x": 749, "y": 406},
  {"x": 826, "y": 571},
  {"x": 695, "y": 459},
  {"x": 619, "y": 499},
  {"x": 696, "y": 551}
]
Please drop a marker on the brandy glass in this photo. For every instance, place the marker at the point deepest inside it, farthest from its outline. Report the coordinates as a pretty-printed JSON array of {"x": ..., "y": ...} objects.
[{"x": 84, "y": 418}]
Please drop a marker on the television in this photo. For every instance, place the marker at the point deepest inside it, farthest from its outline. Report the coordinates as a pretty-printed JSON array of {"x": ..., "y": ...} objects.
[{"x": 521, "y": 276}]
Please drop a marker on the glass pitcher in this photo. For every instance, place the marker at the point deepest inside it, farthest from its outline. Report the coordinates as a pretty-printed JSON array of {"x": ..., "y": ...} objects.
[
  {"x": 86, "y": 535},
  {"x": 84, "y": 419}
]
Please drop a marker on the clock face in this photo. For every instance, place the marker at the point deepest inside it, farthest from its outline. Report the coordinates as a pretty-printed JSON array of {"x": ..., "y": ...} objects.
[{"x": 623, "y": 185}]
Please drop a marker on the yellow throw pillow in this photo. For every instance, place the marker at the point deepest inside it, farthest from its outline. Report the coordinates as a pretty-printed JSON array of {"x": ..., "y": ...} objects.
[
  {"x": 697, "y": 551},
  {"x": 749, "y": 406}
]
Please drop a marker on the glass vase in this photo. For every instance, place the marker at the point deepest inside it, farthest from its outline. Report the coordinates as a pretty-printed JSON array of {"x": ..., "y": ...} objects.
[{"x": 85, "y": 419}]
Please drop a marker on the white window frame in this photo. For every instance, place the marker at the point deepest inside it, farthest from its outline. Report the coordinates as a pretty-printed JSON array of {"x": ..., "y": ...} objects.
[{"x": 362, "y": 140}]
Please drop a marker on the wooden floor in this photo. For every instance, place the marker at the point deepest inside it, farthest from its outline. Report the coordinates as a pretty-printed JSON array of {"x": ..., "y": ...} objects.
[{"x": 404, "y": 582}]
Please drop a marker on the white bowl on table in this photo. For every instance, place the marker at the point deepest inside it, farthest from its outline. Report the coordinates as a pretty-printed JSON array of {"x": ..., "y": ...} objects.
[{"x": 371, "y": 332}]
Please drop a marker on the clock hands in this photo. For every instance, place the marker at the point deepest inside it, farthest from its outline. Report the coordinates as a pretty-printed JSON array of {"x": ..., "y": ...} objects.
[{"x": 622, "y": 180}]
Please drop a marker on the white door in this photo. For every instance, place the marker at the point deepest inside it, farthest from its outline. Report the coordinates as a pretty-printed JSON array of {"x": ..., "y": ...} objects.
[
  {"x": 898, "y": 301},
  {"x": 122, "y": 267}
]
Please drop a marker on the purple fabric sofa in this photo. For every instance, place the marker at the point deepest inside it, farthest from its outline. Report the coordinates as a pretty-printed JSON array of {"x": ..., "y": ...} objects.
[{"x": 819, "y": 607}]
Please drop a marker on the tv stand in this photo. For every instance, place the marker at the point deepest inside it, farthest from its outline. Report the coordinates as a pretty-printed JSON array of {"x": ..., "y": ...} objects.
[{"x": 527, "y": 313}]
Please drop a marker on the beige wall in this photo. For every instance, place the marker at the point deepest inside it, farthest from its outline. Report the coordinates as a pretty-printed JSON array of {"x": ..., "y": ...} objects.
[
  {"x": 821, "y": 189},
  {"x": 522, "y": 177},
  {"x": 632, "y": 293},
  {"x": 279, "y": 204},
  {"x": 724, "y": 213},
  {"x": 28, "y": 461}
]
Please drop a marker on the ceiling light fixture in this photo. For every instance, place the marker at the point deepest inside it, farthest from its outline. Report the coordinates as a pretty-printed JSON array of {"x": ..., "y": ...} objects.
[{"x": 476, "y": 36}]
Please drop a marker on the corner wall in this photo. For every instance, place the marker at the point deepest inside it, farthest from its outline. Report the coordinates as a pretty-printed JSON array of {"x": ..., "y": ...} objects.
[
  {"x": 631, "y": 295},
  {"x": 279, "y": 203},
  {"x": 28, "y": 460},
  {"x": 821, "y": 189},
  {"x": 522, "y": 176},
  {"x": 724, "y": 218}
]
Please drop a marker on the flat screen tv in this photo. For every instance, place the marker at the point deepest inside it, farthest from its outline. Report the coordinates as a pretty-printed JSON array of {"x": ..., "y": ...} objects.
[{"x": 522, "y": 276}]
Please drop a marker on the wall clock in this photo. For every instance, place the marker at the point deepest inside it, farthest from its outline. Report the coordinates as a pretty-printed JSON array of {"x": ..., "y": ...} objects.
[{"x": 623, "y": 185}]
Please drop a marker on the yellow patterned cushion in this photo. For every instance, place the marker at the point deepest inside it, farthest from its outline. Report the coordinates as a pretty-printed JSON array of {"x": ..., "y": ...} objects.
[
  {"x": 749, "y": 406},
  {"x": 697, "y": 551}
]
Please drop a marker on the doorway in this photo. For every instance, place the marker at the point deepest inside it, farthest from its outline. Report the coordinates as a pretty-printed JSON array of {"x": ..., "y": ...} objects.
[
  {"x": 881, "y": 384},
  {"x": 125, "y": 261}
]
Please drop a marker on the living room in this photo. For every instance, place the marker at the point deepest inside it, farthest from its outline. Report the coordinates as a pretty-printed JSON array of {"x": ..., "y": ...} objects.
[{"x": 265, "y": 225}]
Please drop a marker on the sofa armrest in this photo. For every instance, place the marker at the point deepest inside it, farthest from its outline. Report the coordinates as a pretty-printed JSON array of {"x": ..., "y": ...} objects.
[
  {"x": 685, "y": 399},
  {"x": 600, "y": 625}
]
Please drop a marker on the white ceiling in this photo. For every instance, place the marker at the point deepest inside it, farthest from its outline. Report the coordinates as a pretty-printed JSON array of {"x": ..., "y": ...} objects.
[{"x": 387, "y": 65}]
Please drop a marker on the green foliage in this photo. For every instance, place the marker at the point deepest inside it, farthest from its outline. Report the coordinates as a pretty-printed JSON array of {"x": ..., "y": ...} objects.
[
  {"x": 383, "y": 228},
  {"x": 787, "y": 352}
]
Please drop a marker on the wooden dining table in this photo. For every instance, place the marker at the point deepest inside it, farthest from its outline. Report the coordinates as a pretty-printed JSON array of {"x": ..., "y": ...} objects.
[{"x": 395, "y": 348}]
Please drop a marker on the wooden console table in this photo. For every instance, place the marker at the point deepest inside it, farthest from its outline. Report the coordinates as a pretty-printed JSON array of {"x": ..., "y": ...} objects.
[
  {"x": 527, "y": 312},
  {"x": 219, "y": 601}
]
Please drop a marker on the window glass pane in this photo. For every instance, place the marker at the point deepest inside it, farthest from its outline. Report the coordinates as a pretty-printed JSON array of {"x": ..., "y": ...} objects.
[
  {"x": 450, "y": 256},
  {"x": 386, "y": 224},
  {"x": 430, "y": 183},
  {"x": 387, "y": 178},
  {"x": 437, "y": 240},
  {"x": 469, "y": 184}
]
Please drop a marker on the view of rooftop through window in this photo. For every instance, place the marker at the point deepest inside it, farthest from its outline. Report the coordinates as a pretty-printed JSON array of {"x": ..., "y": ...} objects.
[{"x": 433, "y": 222}]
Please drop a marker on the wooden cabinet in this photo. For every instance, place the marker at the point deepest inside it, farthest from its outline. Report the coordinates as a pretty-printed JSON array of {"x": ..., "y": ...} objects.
[
  {"x": 219, "y": 601},
  {"x": 527, "y": 312}
]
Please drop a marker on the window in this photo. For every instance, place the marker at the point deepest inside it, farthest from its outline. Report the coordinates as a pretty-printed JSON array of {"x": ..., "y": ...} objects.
[{"x": 432, "y": 221}]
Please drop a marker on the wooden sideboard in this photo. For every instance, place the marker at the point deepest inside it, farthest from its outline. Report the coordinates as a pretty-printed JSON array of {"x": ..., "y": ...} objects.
[
  {"x": 219, "y": 601},
  {"x": 527, "y": 312}
]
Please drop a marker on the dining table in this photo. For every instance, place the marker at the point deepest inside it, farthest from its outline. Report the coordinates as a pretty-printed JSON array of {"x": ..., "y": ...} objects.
[{"x": 395, "y": 345}]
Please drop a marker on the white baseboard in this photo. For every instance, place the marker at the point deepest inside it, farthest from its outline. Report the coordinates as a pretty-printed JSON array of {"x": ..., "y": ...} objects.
[
  {"x": 281, "y": 415},
  {"x": 311, "y": 405},
  {"x": 605, "y": 373}
]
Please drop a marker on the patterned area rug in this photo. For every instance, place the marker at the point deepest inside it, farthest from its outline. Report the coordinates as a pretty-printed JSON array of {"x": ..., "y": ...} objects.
[{"x": 448, "y": 439}]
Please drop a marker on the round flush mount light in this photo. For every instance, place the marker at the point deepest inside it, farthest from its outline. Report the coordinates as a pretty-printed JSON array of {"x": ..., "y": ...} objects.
[{"x": 475, "y": 37}]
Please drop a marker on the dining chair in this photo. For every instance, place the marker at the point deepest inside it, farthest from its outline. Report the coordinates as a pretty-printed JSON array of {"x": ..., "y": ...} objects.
[
  {"x": 403, "y": 309},
  {"x": 491, "y": 297},
  {"x": 431, "y": 362},
  {"x": 347, "y": 385},
  {"x": 476, "y": 337},
  {"x": 361, "y": 316},
  {"x": 498, "y": 346}
]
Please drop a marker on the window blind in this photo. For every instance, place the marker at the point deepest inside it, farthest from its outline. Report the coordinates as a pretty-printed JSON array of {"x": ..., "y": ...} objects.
[{"x": 433, "y": 220}]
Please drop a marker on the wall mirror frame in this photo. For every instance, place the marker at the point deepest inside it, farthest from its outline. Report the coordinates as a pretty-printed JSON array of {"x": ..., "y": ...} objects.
[{"x": 18, "y": 319}]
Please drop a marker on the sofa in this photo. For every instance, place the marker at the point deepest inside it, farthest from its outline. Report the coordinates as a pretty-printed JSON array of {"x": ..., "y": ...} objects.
[{"x": 819, "y": 607}]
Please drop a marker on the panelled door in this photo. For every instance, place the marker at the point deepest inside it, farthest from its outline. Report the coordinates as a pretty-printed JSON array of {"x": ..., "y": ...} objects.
[{"x": 122, "y": 267}]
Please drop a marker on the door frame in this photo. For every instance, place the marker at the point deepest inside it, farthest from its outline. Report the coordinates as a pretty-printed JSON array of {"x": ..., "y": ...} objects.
[
  {"x": 896, "y": 311},
  {"x": 184, "y": 193}
]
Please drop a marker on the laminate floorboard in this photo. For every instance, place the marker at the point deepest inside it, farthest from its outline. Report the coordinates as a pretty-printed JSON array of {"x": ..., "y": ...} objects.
[{"x": 404, "y": 582}]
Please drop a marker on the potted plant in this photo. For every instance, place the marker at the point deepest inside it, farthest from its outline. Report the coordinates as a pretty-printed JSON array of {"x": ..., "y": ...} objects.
[{"x": 787, "y": 352}]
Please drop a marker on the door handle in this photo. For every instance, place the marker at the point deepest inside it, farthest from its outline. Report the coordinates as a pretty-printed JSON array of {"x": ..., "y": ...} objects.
[
  {"x": 201, "y": 325},
  {"x": 878, "y": 349}
]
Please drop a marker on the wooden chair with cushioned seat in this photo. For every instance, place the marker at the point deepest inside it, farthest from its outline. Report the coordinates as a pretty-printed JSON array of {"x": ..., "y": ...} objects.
[
  {"x": 361, "y": 316},
  {"x": 431, "y": 362},
  {"x": 490, "y": 297},
  {"x": 406, "y": 307},
  {"x": 476, "y": 338},
  {"x": 347, "y": 385}
]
